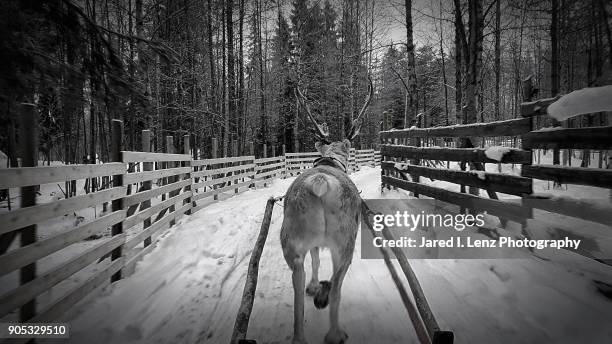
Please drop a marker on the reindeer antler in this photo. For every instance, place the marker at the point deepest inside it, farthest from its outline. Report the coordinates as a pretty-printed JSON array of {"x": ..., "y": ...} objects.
[
  {"x": 358, "y": 122},
  {"x": 322, "y": 130}
]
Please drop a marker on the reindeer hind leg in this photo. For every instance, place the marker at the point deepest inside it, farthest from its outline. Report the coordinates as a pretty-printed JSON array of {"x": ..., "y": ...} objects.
[
  {"x": 341, "y": 261},
  {"x": 298, "y": 280},
  {"x": 313, "y": 287}
]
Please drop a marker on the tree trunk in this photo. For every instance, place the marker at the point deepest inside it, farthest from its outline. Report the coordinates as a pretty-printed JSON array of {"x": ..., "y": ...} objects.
[
  {"x": 262, "y": 100},
  {"x": 497, "y": 57},
  {"x": 211, "y": 58},
  {"x": 411, "y": 67},
  {"x": 241, "y": 91},
  {"x": 443, "y": 67},
  {"x": 460, "y": 60},
  {"x": 231, "y": 105},
  {"x": 554, "y": 73},
  {"x": 224, "y": 95},
  {"x": 475, "y": 60}
]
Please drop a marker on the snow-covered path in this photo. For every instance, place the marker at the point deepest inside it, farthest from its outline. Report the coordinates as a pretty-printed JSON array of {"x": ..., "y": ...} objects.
[{"x": 188, "y": 289}]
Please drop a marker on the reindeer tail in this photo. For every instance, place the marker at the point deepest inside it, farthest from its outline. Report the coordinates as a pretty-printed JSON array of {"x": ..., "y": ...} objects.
[{"x": 318, "y": 184}]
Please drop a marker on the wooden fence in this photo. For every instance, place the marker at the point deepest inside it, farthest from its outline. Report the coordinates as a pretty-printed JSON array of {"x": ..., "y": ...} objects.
[
  {"x": 405, "y": 160},
  {"x": 146, "y": 194},
  {"x": 296, "y": 162}
]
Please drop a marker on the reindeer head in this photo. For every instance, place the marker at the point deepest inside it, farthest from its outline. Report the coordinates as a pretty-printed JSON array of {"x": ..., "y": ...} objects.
[{"x": 334, "y": 153}]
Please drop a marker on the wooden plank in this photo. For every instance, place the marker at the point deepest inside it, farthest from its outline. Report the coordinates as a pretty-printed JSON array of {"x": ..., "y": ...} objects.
[
  {"x": 509, "y": 127},
  {"x": 129, "y": 156},
  {"x": 266, "y": 160},
  {"x": 511, "y": 211},
  {"x": 215, "y": 181},
  {"x": 31, "y": 215},
  {"x": 115, "y": 155},
  {"x": 146, "y": 166},
  {"x": 270, "y": 166},
  {"x": 514, "y": 156},
  {"x": 170, "y": 216},
  {"x": 572, "y": 138},
  {"x": 137, "y": 177},
  {"x": 206, "y": 173},
  {"x": 296, "y": 167},
  {"x": 303, "y": 154},
  {"x": 216, "y": 161},
  {"x": 415, "y": 318},
  {"x": 241, "y": 324},
  {"x": 145, "y": 195},
  {"x": 22, "y": 294},
  {"x": 55, "y": 310},
  {"x": 425, "y": 312},
  {"x": 25, "y": 255},
  {"x": 538, "y": 107},
  {"x": 298, "y": 160},
  {"x": 27, "y": 235},
  {"x": 220, "y": 190},
  {"x": 268, "y": 173},
  {"x": 570, "y": 175},
  {"x": 505, "y": 183},
  {"x": 581, "y": 209},
  {"x": 141, "y": 216},
  {"x": 26, "y": 176}
]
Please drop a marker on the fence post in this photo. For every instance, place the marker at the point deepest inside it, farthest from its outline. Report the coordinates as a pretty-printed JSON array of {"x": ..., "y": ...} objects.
[
  {"x": 284, "y": 172},
  {"x": 234, "y": 145},
  {"x": 194, "y": 155},
  {"x": 29, "y": 139},
  {"x": 251, "y": 148},
  {"x": 273, "y": 150},
  {"x": 235, "y": 154},
  {"x": 186, "y": 150},
  {"x": 265, "y": 155},
  {"x": 213, "y": 154},
  {"x": 146, "y": 185},
  {"x": 170, "y": 149},
  {"x": 527, "y": 92},
  {"x": 417, "y": 142},
  {"x": 116, "y": 146},
  {"x": 214, "y": 147}
]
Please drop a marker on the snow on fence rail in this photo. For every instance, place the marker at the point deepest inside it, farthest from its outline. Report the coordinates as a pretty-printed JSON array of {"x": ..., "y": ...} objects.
[
  {"x": 148, "y": 194},
  {"x": 404, "y": 158}
]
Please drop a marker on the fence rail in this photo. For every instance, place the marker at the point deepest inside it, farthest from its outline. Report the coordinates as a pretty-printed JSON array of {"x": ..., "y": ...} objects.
[
  {"x": 408, "y": 155},
  {"x": 149, "y": 194},
  {"x": 404, "y": 157}
]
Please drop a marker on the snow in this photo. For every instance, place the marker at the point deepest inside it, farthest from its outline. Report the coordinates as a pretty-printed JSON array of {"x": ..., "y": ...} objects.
[
  {"x": 497, "y": 152},
  {"x": 549, "y": 129},
  {"x": 481, "y": 175},
  {"x": 579, "y": 102},
  {"x": 188, "y": 288}
]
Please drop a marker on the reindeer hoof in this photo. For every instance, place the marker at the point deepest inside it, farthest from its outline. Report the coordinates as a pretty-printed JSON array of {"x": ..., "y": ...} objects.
[
  {"x": 321, "y": 298},
  {"x": 313, "y": 288},
  {"x": 337, "y": 336}
]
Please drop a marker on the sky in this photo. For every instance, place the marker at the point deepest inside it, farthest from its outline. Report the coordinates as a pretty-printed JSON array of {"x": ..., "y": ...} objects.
[{"x": 390, "y": 20}]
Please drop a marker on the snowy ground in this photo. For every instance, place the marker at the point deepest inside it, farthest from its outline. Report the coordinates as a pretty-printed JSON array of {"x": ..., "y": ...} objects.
[{"x": 188, "y": 289}]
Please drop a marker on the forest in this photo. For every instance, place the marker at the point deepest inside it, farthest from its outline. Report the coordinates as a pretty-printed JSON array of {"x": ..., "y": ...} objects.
[{"x": 228, "y": 69}]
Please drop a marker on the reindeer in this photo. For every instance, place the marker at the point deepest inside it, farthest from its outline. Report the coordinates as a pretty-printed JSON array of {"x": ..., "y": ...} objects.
[{"x": 321, "y": 209}]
